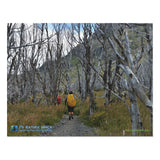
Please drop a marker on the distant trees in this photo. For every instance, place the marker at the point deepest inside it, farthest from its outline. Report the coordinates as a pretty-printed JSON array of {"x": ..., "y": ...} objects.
[
  {"x": 39, "y": 63},
  {"x": 53, "y": 57},
  {"x": 69, "y": 35},
  {"x": 16, "y": 54},
  {"x": 109, "y": 79},
  {"x": 86, "y": 58},
  {"x": 27, "y": 48}
]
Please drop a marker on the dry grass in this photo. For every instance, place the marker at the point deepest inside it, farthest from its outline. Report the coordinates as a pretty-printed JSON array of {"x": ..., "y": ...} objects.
[
  {"x": 30, "y": 115},
  {"x": 110, "y": 121},
  {"x": 115, "y": 118}
]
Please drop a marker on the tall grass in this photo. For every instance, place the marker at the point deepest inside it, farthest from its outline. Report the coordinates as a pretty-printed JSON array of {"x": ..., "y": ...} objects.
[
  {"x": 110, "y": 121},
  {"x": 113, "y": 120},
  {"x": 27, "y": 114}
]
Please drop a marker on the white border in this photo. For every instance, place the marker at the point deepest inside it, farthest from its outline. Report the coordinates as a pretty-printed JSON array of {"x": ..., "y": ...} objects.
[{"x": 79, "y": 147}]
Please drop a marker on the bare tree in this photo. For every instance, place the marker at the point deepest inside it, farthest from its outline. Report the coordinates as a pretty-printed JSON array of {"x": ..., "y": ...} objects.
[
  {"x": 124, "y": 60},
  {"x": 134, "y": 86},
  {"x": 86, "y": 59}
]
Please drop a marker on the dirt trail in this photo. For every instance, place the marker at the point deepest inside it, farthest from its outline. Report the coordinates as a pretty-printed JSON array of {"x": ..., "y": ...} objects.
[{"x": 71, "y": 127}]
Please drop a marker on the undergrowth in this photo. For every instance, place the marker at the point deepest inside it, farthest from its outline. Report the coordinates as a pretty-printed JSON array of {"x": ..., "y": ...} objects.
[
  {"x": 27, "y": 114},
  {"x": 114, "y": 119},
  {"x": 110, "y": 121}
]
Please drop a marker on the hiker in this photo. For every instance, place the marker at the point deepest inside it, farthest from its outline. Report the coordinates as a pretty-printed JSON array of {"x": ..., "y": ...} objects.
[
  {"x": 58, "y": 100},
  {"x": 71, "y": 102}
]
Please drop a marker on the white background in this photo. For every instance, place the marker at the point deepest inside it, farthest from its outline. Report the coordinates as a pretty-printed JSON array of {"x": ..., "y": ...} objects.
[{"x": 79, "y": 148}]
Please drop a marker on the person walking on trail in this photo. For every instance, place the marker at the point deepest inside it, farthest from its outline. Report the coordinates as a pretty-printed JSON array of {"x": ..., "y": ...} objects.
[
  {"x": 58, "y": 100},
  {"x": 71, "y": 102}
]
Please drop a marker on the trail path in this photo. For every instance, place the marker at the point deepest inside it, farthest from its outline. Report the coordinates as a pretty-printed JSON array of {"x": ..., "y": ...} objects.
[{"x": 71, "y": 127}]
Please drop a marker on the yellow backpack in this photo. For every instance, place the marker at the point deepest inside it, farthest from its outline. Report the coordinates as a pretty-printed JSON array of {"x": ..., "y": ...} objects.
[{"x": 71, "y": 100}]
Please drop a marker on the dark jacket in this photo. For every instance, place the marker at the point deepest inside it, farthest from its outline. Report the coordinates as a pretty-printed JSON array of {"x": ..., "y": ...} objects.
[{"x": 65, "y": 101}]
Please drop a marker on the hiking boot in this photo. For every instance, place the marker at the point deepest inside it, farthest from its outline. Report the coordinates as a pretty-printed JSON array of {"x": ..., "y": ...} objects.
[
  {"x": 69, "y": 117},
  {"x": 72, "y": 116}
]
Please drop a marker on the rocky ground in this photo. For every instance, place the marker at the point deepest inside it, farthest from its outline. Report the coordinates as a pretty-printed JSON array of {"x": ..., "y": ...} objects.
[{"x": 71, "y": 127}]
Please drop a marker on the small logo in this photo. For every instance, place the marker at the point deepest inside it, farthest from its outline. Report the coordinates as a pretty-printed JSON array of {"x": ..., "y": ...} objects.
[{"x": 14, "y": 128}]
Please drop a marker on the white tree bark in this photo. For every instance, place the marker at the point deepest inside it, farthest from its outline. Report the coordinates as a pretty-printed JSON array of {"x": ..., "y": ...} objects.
[{"x": 135, "y": 85}]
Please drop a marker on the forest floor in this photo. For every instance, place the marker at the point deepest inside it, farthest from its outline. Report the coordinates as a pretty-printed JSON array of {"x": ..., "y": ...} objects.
[
  {"x": 113, "y": 120},
  {"x": 71, "y": 127}
]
